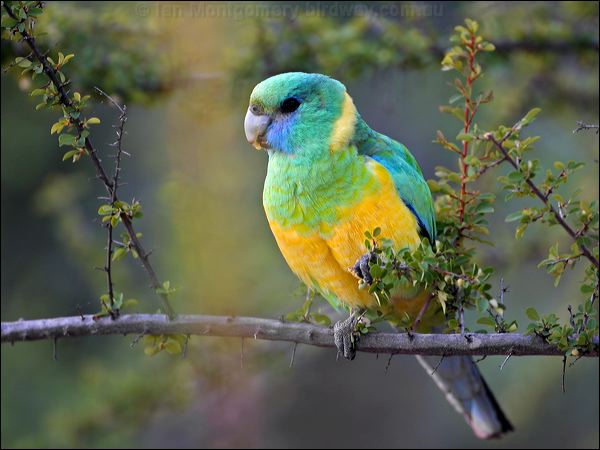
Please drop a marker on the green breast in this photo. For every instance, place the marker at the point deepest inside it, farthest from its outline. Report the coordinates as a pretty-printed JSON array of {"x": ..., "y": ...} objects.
[{"x": 308, "y": 194}]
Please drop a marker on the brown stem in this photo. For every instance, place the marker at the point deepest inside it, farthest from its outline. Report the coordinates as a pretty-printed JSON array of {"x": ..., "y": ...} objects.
[
  {"x": 468, "y": 119},
  {"x": 115, "y": 186}
]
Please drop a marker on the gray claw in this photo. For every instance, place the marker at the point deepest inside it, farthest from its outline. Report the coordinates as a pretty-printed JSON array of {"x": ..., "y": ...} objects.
[
  {"x": 361, "y": 268},
  {"x": 345, "y": 336}
]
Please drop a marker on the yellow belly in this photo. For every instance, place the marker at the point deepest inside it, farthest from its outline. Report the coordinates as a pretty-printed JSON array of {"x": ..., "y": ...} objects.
[{"x": 322, "y": 259}]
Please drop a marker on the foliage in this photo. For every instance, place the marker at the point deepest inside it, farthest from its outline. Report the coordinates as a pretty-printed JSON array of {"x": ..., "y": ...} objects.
[
  {"x": 73, "y": 129},
  {"x": 118, "y": 53},
  {"x": 365, "y": 39},
  {"x": 57, "y": 404},
  {"x": 304, "y": 313},
  {"x": 450, "y": 270}
]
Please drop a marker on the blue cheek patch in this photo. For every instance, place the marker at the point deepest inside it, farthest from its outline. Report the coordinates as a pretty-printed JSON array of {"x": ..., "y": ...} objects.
[{"x": 280, "y": 132}]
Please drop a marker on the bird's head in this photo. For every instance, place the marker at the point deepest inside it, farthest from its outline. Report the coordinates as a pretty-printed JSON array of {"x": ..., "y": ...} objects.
[{"x": 300, "y": 114}]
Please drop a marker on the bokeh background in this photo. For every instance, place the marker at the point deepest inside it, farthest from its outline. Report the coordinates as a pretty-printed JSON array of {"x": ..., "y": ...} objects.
[{"x": 185, "y": 71}]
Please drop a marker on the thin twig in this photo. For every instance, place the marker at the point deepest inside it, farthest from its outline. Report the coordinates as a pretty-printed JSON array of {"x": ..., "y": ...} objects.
[
  {"x": 419, "y": 317},
  {"x": 113, "y": 198}
]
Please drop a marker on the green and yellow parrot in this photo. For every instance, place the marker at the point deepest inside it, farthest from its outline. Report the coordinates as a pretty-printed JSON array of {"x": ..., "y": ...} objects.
[{"x": 330, "y": 178}]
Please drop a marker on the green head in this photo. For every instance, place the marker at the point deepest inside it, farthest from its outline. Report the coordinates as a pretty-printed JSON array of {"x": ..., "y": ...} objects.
[{"x": 300, "y": 114}]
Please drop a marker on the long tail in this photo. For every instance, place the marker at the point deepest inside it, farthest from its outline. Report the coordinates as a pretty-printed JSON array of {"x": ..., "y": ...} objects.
[{"x": 459, "y": 378}]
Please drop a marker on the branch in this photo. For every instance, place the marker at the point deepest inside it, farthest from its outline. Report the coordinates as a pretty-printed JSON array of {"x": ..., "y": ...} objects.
[
  {"x": 111, "y": 187},
  {"x": 544, "y": 198},
  {"x": 115, "y": 185},
  {"x": 277, "y": 330}
]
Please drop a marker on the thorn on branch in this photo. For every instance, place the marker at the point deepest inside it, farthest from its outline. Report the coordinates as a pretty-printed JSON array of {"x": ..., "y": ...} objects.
[
  {"x": 506, "y": 359},
  {"x": 584, "y": 126},
  {"x": 389, "y": 362},
  {"x": 437, "y": 366},
  {"x": 293, "y": 354},
  {"x": 79, "y": 311},
  {"x": 564, "y": 369},
  {"x": 242, "y": 354},
  {"x": 136, "y": 339},
  {"x": 185, "y": 346}
]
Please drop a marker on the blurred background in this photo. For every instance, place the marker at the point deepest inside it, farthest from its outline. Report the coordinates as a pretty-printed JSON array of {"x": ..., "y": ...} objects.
[{"x": 185, "y": 71}]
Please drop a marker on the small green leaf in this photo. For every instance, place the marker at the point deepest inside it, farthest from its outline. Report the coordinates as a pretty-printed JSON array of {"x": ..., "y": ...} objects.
[
  {"x": 514, "y": 216},
  {"x": 34, "y": 12},
  {"x": 321, "y": 319},
  {"x": 466, "y": 137},
  {"x": 151, "y": 351},
  {"x": 520, "y": 231},
  {"x": 68, "y": 58},
  {"x": 173, "y": 346},
  {"x": 22, "y": 62},
  {"x": 529, "y": 117},
  {"x": 66, "y": 139},
  {"x": 486, "y": 321},
  {"x": 69, "y": 154},
  {"x": 532, "y": 314},
  {"x": 130, "y": 303},
  {"x": 118, "y": 301},
  {"x": 119, "y": 253},
  {"x": 9, "y": 22},
  {"x": 105, "y": 209}
]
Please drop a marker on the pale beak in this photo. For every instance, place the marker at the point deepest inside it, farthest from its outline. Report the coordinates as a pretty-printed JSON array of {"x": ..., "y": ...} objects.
[{"x": 255, "y": 127}]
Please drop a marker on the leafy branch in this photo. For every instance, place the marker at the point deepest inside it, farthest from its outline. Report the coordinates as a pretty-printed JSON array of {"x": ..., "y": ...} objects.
[
  {"x": 450, "y": 270},
  {"x": 578, "y": 237},
  {"x": 490, "y": 150},
  {"x": 21, "y": 19}
]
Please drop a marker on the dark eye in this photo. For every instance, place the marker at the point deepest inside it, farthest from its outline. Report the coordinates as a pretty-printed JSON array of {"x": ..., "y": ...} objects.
[
  {"x": 289, "y": 105},
  {"x": 256, "y": 110}
]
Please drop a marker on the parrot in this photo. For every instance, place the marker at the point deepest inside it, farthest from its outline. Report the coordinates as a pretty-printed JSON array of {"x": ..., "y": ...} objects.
[{"x": 330, "y": 178}]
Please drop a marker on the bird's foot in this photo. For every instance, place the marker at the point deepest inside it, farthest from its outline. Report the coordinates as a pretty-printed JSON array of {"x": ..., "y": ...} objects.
[
  {"x": 345, "y": 335},
  {"x": 361, "y": 268}
]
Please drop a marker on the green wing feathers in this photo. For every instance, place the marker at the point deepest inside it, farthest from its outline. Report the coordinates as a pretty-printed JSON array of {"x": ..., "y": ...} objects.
[{"x": 406, "y": 173}]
